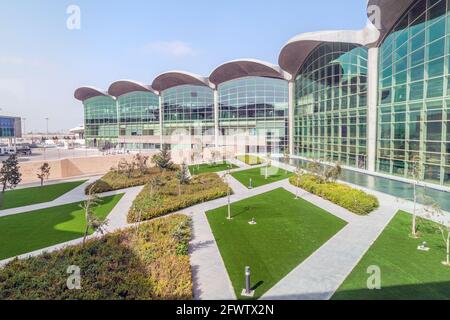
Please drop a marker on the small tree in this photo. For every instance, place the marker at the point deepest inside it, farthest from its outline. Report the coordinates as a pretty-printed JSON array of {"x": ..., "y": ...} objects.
[
  {"x": 214, "y": 155},
  {"x": 163, "y": 160},
  {"x": 225, "y": 177},
  {"x": 10, "y": 175},
  {"x": 183, "y": 176},
  {"x": 416, "y": 174},
  {"x": 44, "y": 172},
  {"x": 315, "y": 168},
  {"x": 92, "y": 222},
  {"x": 298, "y": 176},
  {"x": 154, "y": 183},
  {"x": 434, "y": 210},
  {"x": 268, "y": 164},
  {"x": 141, "y": 163},
  {"x": 331, "y": 174}
]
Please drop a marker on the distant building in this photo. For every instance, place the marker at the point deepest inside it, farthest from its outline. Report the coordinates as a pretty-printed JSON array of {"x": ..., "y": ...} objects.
[
  {"x": 78, "y": 132},
  {"x": 10, "y": 127}
]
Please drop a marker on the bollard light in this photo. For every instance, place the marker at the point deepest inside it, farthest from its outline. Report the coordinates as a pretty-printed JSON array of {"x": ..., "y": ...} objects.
[
  {"x": 251, "y": 184},
  {"x": 248, "y": 292}
]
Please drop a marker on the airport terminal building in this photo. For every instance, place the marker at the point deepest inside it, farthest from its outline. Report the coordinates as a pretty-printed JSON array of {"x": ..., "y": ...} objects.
[
  {"x": 10, "y": 127},
  {"x": 376, "y": 99}
]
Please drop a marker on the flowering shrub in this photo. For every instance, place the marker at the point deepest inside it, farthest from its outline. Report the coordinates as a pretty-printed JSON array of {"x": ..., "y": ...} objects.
[
  {"x": 351, "y": 199},
  {"x": 148, "y": 263},
  {"x": 166, "y": 199}
]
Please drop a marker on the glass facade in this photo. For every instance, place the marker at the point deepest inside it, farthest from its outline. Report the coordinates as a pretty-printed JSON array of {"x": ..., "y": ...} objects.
[
  {"x": 414, "y": 93},
  {"x": 256, "y": 106},
  {"x": 7, "y": 127},
  {"x": 188, "y": 108},
  {"x": 138, "y": 117},
  {"x": 330, "y": 121},
  {"x": 101, "y": 127}
]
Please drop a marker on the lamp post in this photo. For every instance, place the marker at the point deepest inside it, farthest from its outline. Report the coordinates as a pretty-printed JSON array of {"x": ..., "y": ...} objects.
[
  {"x": 24, "y": 126},
  {"x": 46, "y": 119}
]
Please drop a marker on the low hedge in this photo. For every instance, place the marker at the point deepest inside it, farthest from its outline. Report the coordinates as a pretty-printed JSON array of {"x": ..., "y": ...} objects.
[
  {"x": 351, "y": 199},
  {"x": 150, "y": 263},
  {"x": 114, "y": 180},
  {"x": 250, "y": 160},
  {"x": 166, "y": 199}
]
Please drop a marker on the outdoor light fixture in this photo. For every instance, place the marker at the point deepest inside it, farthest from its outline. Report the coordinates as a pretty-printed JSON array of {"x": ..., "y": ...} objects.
[{"x": 248, "y": 292}]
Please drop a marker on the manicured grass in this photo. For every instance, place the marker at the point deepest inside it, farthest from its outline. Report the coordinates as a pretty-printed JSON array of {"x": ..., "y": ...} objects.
[
  {"x": 406, "y": 273},
  {"x": 151, "y": 263},
  {"x": 30, "y": 231},
  {"x": 258, "y": 176},
  {"x": 29, "y": 196},
  {"x": 250, "y": 160},
  {"x": 287, "y": 232},
  {"x": 207, "y": 168}
]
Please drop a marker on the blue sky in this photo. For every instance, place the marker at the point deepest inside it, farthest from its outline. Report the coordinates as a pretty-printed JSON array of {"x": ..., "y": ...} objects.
[{"x": 42, "y": 61}]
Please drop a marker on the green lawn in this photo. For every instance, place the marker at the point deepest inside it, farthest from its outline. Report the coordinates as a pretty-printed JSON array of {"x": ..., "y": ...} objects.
[
  {"x": 250, "y": 160},
  {"x": 258, "y": 176},
  {"x": 287, "y": 232},
  {"x": 406, "y": 273},
  {"x": 29, "y": 196},
  {"x": 30, "y": 231},
  {"x": 207, "y": 168}
]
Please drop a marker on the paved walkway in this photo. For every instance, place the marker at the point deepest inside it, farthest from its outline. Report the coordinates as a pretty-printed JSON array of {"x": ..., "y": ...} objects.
[
  {"x": 75, "y": 195},
  {"x": 117, "y": 220}
]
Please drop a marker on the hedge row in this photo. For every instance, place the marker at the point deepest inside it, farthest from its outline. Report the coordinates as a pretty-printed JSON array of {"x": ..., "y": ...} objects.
[
  {"x": 149, "y": 263},
  {"x": 114, "y": 180},
  {"x": 166, "y": 198},
  {"x": 351, "y": 199}
]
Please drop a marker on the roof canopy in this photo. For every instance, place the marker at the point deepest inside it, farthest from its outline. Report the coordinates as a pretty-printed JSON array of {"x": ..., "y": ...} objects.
[
  {"x": 391, "y": 12},
  {"x": 121, "y": 87},
  {"x": 246, "y": 68},
  {"x": 85, "y": 93},
  {"x": 173, "y": 79},
  {"x": 298, "y": 49}
]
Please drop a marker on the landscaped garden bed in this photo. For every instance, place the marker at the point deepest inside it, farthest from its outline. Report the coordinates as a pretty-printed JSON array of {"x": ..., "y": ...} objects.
[
  {"x": 35, "y": 195},
  {"x": 287, "y": 231},
  {"x": 26, "y": 232},
  {"x": 211, "y": 168},
  {"x": 354, "y": 200},
  {"x": 169, "y": 196},
  {"x": 148, "y": 263},
  {"x": 261, "y": 176},
  {"x": 406, "y": 272},
  {"x": 250, "y": 160}
]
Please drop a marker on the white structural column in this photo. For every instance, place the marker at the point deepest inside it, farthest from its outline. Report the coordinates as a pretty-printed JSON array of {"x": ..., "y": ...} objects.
[
  {"x": 372, "y": 101},
  {"x": 161, "y": 116},
  {"x": 216, "y": 118},
  {"x": 291, "y": 116}
]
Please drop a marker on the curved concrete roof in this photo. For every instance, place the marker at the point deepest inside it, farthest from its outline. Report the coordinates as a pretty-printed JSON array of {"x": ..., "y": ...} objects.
[
  {"x": 85, "y": 93},
  {"x": 298, "y": 49},
  {"x": 121, "y": 87},
  {"x": 173, "y": 79},
  {"x": 246, "y": 68},
  {"x": 391, "y": 12}
]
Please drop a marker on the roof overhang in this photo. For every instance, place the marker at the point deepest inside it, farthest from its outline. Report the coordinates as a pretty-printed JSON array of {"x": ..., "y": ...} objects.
[
  {"x": 121, "y": 87},
  {"x": 173, "y": 79},
  {"x": 246, "y": 68},
  {"x": 298, "y": 49},
  {"x": 85, "y": 93},
  {"x": 388, "y": 12}
]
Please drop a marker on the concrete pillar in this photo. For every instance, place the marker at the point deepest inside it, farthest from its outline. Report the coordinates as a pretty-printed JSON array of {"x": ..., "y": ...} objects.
[
  {"x": 372, "y": 104},
  {"x": 161, "y": 125},
  {"x": 291, "y": 116},
  {"x": 216, "y": 118}
]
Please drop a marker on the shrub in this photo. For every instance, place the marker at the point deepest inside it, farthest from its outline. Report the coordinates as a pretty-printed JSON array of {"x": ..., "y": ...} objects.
[
  {"x": 202, "y": 188},
  {"x": 150, "y": 264},
  {"x": 115, "y": 180},
  {"x": 250, "y": 160},
  {"x": 351, "y": 199}
]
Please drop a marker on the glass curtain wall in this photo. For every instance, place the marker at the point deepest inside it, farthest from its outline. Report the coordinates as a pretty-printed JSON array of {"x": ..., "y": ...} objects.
[
  {"x": 7, "y": 126},
  {"x": 189, "y": 108},
  {"x": 138, "y": 116},
  {"x": 414, "y": 95},
  {"x": 256, "y": 106},
  {"x": 330, "y": 121},
  {"x": 101, "y": 127}
]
